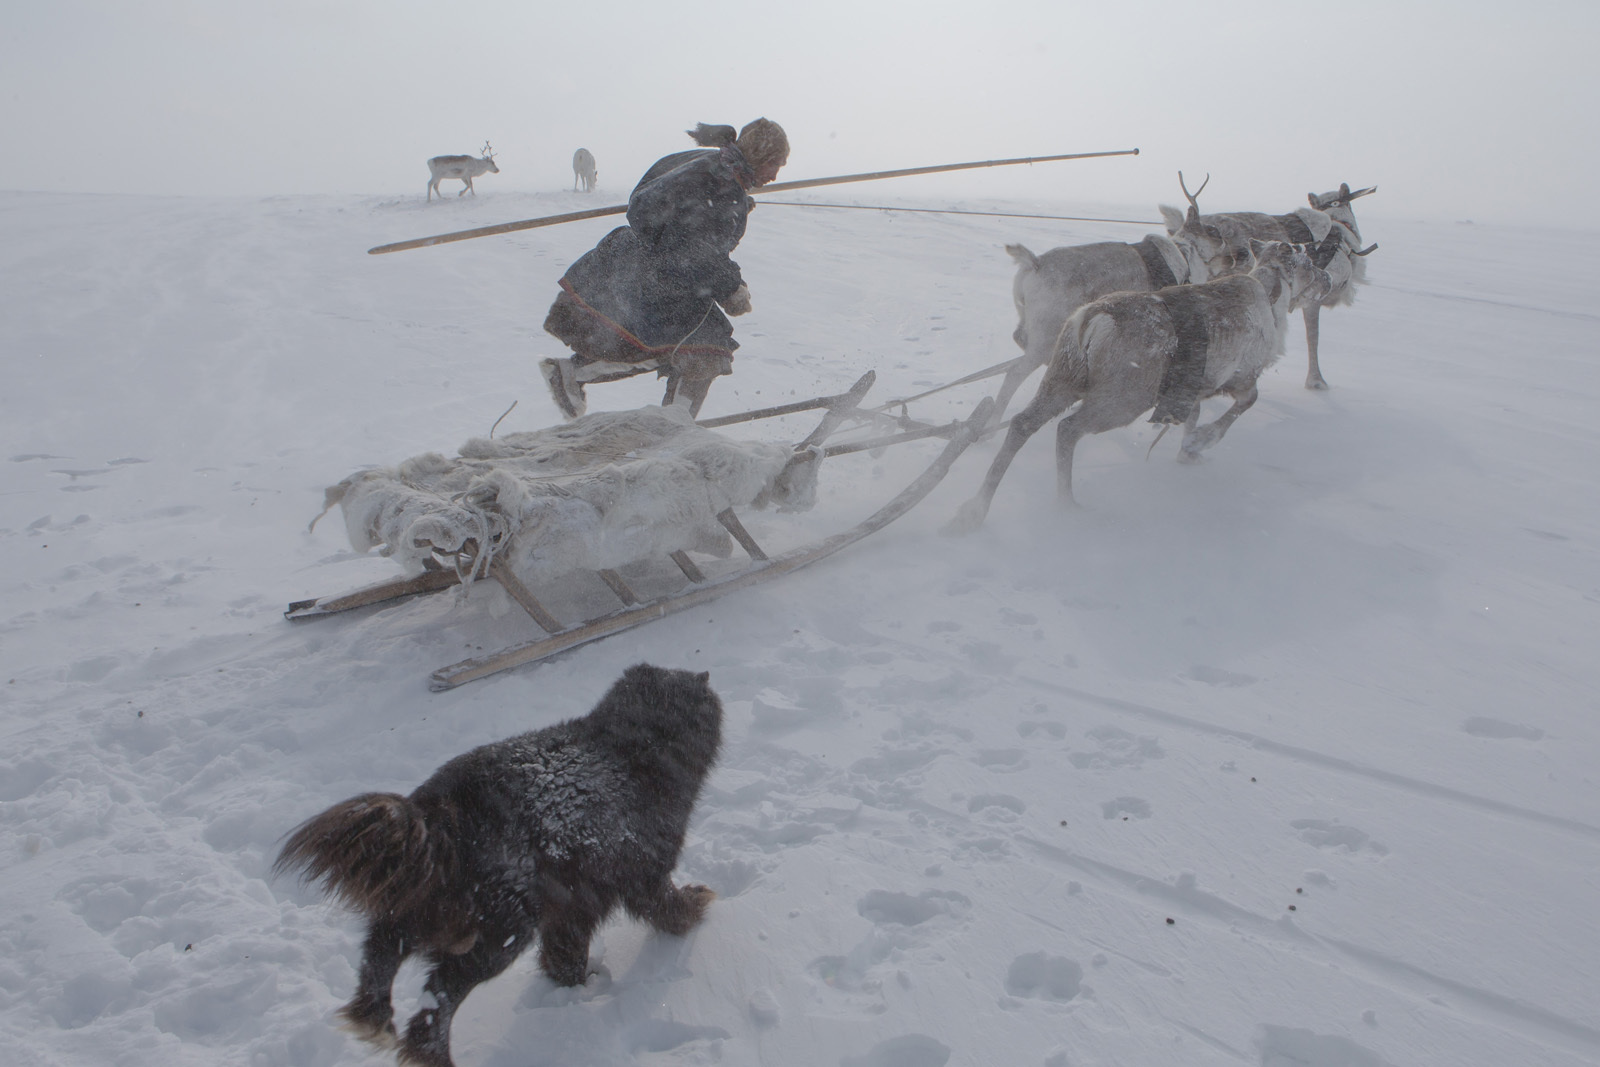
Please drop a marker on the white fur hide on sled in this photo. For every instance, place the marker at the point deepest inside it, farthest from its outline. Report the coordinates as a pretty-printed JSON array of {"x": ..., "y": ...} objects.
[{"x": 603, "y": 490}]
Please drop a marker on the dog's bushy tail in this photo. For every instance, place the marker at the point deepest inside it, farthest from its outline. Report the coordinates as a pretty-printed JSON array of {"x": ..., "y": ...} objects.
[{"x": 374, "y": 853}]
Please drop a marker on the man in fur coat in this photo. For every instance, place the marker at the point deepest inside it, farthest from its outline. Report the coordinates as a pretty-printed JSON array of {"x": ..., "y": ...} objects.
[{"x": 656, "y": 294}]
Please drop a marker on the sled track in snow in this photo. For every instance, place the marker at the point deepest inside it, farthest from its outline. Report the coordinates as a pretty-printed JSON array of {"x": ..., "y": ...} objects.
[
  {"x": 1531, "y": 1022},
  {"x": 1306, "y": 755},
  {"x": 1587, "y": 316},
  {"x": 1517, "y": 1015}
]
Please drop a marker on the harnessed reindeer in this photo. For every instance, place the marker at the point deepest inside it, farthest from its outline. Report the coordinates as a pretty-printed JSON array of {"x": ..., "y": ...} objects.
[
  {"x": 583, "y": 172},
  {"x": 1049, "y": 288},
  {"x": 1224, "y": 239},
  {"x": 463, "y": 168},
  {"x": 1113, "y": 353}
]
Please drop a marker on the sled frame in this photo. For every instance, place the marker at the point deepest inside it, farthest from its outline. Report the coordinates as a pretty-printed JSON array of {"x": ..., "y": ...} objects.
[{"x": 635, "y": 610}]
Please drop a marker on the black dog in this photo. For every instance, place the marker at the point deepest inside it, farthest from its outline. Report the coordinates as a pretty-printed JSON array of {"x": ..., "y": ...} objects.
[{"x": 545, "y": 833}]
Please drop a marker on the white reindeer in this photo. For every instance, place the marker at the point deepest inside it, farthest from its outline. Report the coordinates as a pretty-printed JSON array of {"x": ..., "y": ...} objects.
[
  {"x": 1049, "y": 288},
  {"x": 463, "y": 168},
  {"x": 1225, "y": 240},
  {"x": 1113, "y": 353},
  {"x": 583, "y": 172}
]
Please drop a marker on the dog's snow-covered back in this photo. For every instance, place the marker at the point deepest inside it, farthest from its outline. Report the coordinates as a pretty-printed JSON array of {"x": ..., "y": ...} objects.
[{"x": 538, "y": 837}]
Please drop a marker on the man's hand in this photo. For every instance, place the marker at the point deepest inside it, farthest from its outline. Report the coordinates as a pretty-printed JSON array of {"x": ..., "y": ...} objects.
[{"x": 739, "y": 302}]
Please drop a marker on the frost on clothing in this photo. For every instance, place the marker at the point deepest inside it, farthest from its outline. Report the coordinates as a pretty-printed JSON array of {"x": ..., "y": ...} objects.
[
  {"x": 657, "y": 281},
  {"x": 607, "y": 489}
]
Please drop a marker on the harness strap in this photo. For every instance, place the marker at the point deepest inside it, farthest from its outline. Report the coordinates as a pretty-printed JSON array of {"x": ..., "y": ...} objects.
[
  {"x": 1295, "y": 228},
  {"x": 1155, "y": 264},
  {"x": 1185, "y": 375}
]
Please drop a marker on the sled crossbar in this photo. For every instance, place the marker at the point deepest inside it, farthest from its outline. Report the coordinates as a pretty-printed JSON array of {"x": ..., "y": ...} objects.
[{"x": 846, "y": 400}]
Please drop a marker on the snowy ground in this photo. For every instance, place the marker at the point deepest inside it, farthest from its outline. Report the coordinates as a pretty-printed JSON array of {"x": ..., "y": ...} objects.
[{"x": 1287, "y": 757}]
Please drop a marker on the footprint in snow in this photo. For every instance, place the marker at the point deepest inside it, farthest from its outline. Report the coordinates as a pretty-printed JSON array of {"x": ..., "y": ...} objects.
[
  {"x": 1116, "y": 748},
  {"x": 1041, "y": 976},
  {"x": 1218, "y": 677},
  {"x": 902, "y": 924},
  {"x": 907, "y": 1050},
  {"x": 901, "y": 909},
  {"x": 1284, "y": 1046},
  {"x": 1478, "y": 726},
  {"x": 1334, "y": 835},
  {"x": 997, "y": 806},
  {"x": 666, "y": 1035},
  {"x": 1004, "y": 760},
  {"x": 1127, "y": 807}
]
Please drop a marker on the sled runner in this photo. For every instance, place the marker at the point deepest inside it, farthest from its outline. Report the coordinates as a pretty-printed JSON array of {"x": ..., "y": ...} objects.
[{"x": 601, "y": 495}]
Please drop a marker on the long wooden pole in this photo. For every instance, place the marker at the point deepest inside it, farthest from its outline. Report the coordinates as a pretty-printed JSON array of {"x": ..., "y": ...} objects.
[
  {"x": 955, "y": 211},
  {"x": 775, "y": 187}
]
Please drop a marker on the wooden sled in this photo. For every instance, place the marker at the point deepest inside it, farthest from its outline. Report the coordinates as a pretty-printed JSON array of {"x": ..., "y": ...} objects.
[{"x": 700, "y": 588}]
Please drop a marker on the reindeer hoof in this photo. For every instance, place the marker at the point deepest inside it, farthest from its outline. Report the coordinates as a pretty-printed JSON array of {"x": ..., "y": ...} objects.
[
  {"x": 1316, "y": 383},
  {"x": 968, "y": 518}
]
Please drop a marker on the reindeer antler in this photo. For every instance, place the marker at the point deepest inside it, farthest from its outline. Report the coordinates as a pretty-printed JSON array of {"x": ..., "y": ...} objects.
[
  {"x": 1343, "y": 196},
  {"x": 1194, "y": 197},
  {"x": 486, "y": 153}
]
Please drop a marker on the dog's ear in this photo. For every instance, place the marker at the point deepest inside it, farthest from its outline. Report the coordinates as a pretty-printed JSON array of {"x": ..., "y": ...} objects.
[{"x": 703, "y": 677}]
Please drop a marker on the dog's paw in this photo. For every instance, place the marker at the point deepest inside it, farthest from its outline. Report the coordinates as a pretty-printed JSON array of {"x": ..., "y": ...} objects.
[
  {"x": 376, "y": 1032},
  {"x": 698, "y": 896},
  {"x": 695, "y": 900}
]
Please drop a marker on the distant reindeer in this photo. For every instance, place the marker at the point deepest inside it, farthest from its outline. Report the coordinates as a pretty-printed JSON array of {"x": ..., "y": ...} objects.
[
  {"x": 463, "y": 168},
  {"x": 1048, "y": 288},
  {"x": 1113, "y": 353},
  {"x": 583, "y": 172},
  {"x": 1225, "y": 240}
]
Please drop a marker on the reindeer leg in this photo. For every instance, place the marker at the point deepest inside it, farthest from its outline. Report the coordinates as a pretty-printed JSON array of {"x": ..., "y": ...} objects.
[
  {"x": 1069, "y": 431},
  {"x": 1051, "y": 401},
  {"x": 1097, "y": 415},
  {"x": 370, "y": 1013},
  {"x": 1008, "y": 389},
  {"x": 1196, "y": 441},
  {"x": 1313, "y": 314}
]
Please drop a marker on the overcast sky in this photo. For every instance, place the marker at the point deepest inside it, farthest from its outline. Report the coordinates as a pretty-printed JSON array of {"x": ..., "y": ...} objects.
[{"x": 1465, "y": 109}]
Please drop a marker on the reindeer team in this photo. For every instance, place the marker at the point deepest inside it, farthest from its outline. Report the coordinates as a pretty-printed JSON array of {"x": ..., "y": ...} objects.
[{"x": 1123, "y": 328}]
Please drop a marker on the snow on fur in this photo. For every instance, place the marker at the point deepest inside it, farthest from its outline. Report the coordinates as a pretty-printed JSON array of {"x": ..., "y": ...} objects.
[{"x": 607, "y": 489}]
